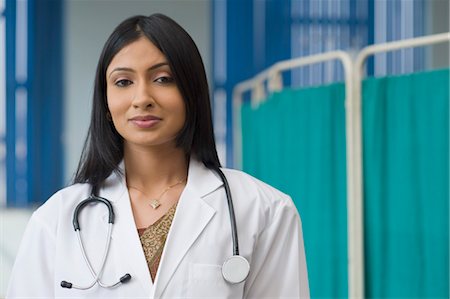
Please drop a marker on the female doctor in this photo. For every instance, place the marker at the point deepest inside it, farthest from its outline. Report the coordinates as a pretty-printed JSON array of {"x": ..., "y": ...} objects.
[{"x": 150, "y": 153}]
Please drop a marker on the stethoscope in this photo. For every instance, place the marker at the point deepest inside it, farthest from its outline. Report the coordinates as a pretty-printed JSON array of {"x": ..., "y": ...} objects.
[{"x": 234, "y": 270}]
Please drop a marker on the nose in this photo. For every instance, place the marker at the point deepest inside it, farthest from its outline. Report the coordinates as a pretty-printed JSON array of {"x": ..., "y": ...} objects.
[{"x": 143, "y": 97}]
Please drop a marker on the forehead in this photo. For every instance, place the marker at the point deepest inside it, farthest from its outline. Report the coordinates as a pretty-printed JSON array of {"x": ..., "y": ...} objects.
[{"x": 140, "y": 53}]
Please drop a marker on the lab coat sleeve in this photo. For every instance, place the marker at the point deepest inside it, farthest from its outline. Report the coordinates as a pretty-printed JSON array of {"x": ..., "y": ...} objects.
[
  {"x": 33, "y": 271},
  {"x": 278, "y": 267}
]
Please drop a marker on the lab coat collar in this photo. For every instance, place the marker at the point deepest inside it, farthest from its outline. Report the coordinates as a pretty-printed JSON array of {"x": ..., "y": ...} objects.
[
  {"x": 192, "y": 215},
  {"x": 201, "y": 179},
  {"x": 115, "y": 185}
]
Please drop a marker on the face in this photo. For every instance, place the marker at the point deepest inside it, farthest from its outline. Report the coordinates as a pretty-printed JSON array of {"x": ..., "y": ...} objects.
[{"x": 146, "y": 106}]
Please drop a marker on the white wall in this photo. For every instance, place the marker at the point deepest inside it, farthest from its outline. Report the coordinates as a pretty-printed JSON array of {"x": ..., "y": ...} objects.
[{"x": 88, "y": 25}]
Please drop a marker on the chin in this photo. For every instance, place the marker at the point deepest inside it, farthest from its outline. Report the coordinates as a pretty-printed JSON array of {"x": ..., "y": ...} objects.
[{"x": 152, "y": 143}]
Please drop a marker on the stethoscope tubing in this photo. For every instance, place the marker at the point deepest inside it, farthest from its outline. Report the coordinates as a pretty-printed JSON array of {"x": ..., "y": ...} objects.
[
  {"x": 77, "y": 228},
  {"x": 234, "y": 234},
  {"x": 235, "y": 261},
  {"x": 91, "y": 199},
  {"x": 96, "y": 276}
]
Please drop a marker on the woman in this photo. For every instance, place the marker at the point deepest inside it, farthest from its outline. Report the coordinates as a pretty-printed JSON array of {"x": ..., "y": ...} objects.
[{"x": 151, "y": 152}]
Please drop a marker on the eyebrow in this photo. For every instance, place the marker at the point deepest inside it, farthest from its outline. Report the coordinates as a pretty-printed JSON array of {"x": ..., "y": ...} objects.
[{"x": 127, "y": 69}]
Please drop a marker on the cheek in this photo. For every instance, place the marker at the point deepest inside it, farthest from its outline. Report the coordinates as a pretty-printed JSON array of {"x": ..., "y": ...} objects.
[
  {"x": 116, "y": 103},
  {"x": 114, "y": 107}
]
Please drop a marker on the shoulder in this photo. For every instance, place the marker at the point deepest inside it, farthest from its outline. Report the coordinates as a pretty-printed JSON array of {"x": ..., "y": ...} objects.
[
  {"x": 254, "y": 186},
  {"x": 259, "y": 195},
  {"x": 65, "y": 196},
  {"x": 59, "y": 205}
]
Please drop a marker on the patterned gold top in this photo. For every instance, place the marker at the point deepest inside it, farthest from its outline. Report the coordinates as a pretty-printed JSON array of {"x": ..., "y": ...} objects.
[{"x": 153, "y": 239}]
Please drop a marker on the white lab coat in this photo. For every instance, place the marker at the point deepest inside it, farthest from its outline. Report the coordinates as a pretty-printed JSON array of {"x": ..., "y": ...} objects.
[{"x": 199, "y": 241}]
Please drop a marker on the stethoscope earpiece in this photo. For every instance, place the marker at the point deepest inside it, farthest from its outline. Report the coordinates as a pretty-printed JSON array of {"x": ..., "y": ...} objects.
[{"x": 235, "y": 269}]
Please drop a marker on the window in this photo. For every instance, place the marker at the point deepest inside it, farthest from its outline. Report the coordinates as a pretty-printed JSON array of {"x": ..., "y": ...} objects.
[
  {"x": 323, "y": 26},
  {"x": 349, "y": 25},
  {"x": 398, "y": 20}
]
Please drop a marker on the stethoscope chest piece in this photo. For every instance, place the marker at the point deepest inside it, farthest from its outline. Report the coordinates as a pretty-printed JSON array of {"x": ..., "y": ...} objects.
[{"x": 235, "y": 269}]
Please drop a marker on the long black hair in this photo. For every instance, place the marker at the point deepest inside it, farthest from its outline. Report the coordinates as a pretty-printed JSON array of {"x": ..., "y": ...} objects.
[{"x": 103, "y": 148}]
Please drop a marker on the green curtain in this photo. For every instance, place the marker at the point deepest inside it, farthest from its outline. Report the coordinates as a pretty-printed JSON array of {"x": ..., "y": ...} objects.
[
  {"x": 406, "y": 183},
  {"x": 295, "y": 141}
]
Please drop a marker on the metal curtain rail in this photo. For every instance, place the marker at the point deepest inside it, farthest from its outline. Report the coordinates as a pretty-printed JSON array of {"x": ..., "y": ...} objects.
[
  {"x": 273, "y": 76},
  {"x": 353, "y": 149}
]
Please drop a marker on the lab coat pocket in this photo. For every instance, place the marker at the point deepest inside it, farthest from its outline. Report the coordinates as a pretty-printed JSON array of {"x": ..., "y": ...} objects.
[{"x": 206, "y": 281}]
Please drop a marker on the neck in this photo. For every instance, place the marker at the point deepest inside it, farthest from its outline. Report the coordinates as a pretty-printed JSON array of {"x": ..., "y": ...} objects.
[{"x": 147, "y": 169}]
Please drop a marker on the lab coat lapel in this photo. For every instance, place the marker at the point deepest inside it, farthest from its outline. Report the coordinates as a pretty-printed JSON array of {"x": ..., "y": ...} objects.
[
  {"x": 128, "y": 251},
  {"x": 192, "y": 216}
]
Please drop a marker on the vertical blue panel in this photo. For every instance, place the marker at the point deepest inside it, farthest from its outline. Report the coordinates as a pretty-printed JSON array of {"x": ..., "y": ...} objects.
[
  {"x": 33, "y": 113},
  {"x": 278, "y": 31},
  {"x": 353, "y": 22},
  {"x": 21, "y": 106},
  {"x": 258, "y": 35},
  {"x": 419, "y": 30},
  {"x": 239, "y": 56},
  {"x": 219, "y": 95},
  {"x": 34, "y": 151},
  {"x": 3, "y": 105},
  {"x": 10, "y": 15},
  {"x": 46, "y": 98},
  {"x": 371, "y": 35}
]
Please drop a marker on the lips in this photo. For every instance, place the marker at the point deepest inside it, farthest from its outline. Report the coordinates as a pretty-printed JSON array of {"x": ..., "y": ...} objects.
[
  {"x": 145, "y": 118},
  {"x": 145, "y": 121}
]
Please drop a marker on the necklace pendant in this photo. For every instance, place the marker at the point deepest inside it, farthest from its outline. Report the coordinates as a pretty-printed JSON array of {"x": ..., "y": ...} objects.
[{"x": 155, "y": 204}]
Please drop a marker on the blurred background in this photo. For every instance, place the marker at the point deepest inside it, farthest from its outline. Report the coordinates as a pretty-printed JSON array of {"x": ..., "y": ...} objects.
[{"x": 48, "y": 55}]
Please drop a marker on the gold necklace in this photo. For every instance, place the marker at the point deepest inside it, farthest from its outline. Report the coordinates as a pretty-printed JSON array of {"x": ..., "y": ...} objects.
[{"x": 155, "y": 203}]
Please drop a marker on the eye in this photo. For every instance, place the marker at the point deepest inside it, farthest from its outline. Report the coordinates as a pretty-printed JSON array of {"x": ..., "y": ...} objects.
[
  {"x": 164, "y": 80},
  {"x": 123, "y": 83}
]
